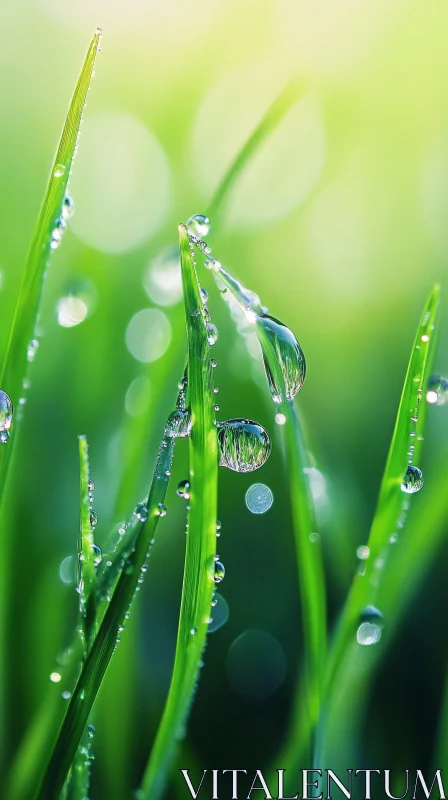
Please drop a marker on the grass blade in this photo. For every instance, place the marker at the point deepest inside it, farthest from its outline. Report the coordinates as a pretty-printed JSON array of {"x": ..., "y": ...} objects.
[
  {"x": 392, "y": 504},
  {"x": 198, "y": 583},
  {"x": 86, "y": 553},
  {"x": 15, "y": 362},
  {"x": 274, "y": 115}
]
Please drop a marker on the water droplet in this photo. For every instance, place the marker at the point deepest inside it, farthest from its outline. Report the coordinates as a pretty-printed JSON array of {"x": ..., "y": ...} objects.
[
  {"x": 218, "y": 527},
  {"x": 198, "y": 226},
  {"x": 371, "y": 625},
  {"x": 194, "y": 631},
  {"x": 141, "y": 512},
  {"x": 66, "y": 695},
  {"x": 412, "y": 481},
  {"x": 219, "y": 572},
  {"x": 217, "y": 408},
  {"x": 212, "y": 334},
  {"x": 437, "y": 393},
  {"x": 32, "y": 349},
  {"x": 183, "y": 490},
  {"x": 90, "y": 486},
  {"x": 93, "y": 519},
  {"x": 244, "y": 445},
  {"x": 280, "y": 419},
  {"x": 55, "y": 677},
  {"x": 259, "y": 498},
  {"x": 161, "y": 509},
  {"x": 59, "y": 170},
  {"x": 91, "y": 731},
  {"x": 281, "y": 351},
  {"x": 6, "y": 415},
  {"x": 179, "y": 424},
  {"x": 363, "y": 552},
  {"x": 220, "y": 613},
  {"x": 67, "y": 207},
  {"x": 204, "y": 295},
  {"x": 71, "y": 311},
  {"x": 97, "y": 555},
  {"x": 214, "y": 363}
]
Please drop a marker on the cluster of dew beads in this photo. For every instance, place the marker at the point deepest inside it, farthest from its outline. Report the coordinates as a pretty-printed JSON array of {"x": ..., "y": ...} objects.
[
  {"x": 437, "y": 393},
  {"x": 60, "y": 224},
  {"x": 412, "y": 481},
  {"x": 6, "y": 415},
  {"x": 370, "y": 628},
  {"x": 244, "y": 445}
]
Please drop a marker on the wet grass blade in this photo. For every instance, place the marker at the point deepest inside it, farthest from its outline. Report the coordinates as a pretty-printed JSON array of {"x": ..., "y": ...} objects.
[
  {"x": 393, "y": 503},
  {"x": 198, "y": 585},
  {"x": 14, "y": 364},
  {"x": 274, "y": 115},
  {"x": 86, "y": 553}
]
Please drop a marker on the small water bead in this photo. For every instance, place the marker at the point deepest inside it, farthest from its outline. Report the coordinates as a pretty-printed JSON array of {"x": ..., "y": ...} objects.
[
  {"x": 93, "y": 518},
  {"x": 66, "y": 695},
  {"x": 6, "y": 415},
  {"x": 97, "y": 555},
  {"x": 218, "y": 527},
  {"x": 204, "y": 295},
  {"x": 212, "y": 334},
  {"x": 412, "y": 481},
  {"x": 67, "y": 207},
  {"x": 280, "y": 346},
  {"x": 280, "y": 419},
  {"x": 371, "y": 626},
  {"x": 213, "y": 363},
  {"x": 90, "y": 731},
  {"x": 59, "y": 170},
  {"x": 183, "y": 490},
  {"x": 217, "y": 408},
  {"x": 32, "y": 349},
  {"x": 259, "y": 498},
  {"x": 244, "y": 445},
  {"x": 437, "y": 393},
  {"x": 90, "y": 486},
  {"x": 220, "y": 613},
  {"x": 219, "y": 572},
  {"x": 179, "y": 424},
  {"x": 161, "y": 509},
  {"x": 141, "y": 512},
  {"x": 198, "y": 226},
  {"x": 363, "y": 552},
  {"x": 55, "y": 677},
  {"x": 215, "y": 389}
]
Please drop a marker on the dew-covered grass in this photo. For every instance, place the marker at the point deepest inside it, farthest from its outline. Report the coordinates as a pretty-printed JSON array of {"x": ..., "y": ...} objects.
[{"x": 55, "y": 754}]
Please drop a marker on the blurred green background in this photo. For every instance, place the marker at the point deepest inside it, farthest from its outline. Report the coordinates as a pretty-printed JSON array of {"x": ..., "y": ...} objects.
[{"x": 339, "y": 224}]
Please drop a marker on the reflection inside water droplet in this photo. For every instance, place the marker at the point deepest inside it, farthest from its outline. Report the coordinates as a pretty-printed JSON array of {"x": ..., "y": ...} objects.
[
  {"x": 412, "y": 481},
  {"x": 244, "y": 445},
  {"x": 6, "y": 415},
  {"x": 198, "y": 225}
]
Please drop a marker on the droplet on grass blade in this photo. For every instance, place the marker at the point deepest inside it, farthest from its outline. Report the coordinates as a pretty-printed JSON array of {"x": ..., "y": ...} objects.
[
  {"x": 280, "y": 346},
  {"x": 220, "y": 571},
  {"x": 212, "y": 334},
  {"x": 437, "y": 393},
  {"x": 244, "y": 445},
  {"x": 141, "y": 512},
  {"x": 183, "y": 489},
  {"x": 179, "y": 424},
  {"x": 6, "y": 415},
  {"x": 198, "y": 225},
  {"x": 412, "y": 481},
  {"x": 32, "y": 349},
  {"x": 219, "y": 615}
]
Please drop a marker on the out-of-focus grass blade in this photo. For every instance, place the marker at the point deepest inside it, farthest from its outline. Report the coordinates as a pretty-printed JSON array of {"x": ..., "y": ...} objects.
[
  {"x": 393, "y": 503},
  {"x": 86, "y": 552},
  {"x": 274, "y": 115},
  {"x": 14, "y": 364},
  {"x": 198, "y": 582}
]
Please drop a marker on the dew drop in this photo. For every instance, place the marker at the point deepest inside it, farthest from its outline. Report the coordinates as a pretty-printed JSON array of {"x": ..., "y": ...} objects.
[
  {"x": 412, "y": 481},
  {"x": 97, "y": 555},
  {"x": 204, "y": 296},
  {"x": 59, "y": 170},
  {"x": 219, "y": 572},
  {"x": 259, "y": 498},
  {"x": 141, "y": 512},
  {"x": 244, "y": 445},
  {"x": 179, "y": 424},
  {"x": 437, "y": 393},
  {"x": 67, "y": 207},
  {"x": 93, "y": 519},
  {"x": 371, "y": 626},
  {"x": 214, "y": 363},
  {"x": 32, "y": 350},
  {"x": 280, "y": 419},
  {"x": 55, "y": 677},
  {"x": 198, "y": 225},
  {"x": 363, "y": 552},
  {"x": 183, "y": 490},
  {"x": 161, "y": 509},
  {"x": 281, "y": 348},
  {"x": 218, "y": 527},
  {"x": 66, "y": 695},
  {"x": 6, "y": 415},
  {"x": 212, "y": 334}
]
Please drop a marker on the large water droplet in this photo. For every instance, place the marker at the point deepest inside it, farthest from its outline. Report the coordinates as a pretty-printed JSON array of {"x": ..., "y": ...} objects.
[
  {"x": 179, "y": 424},
  {"x": 412, "y": 481},
  {"x": 437, "y": 393},
  {"x": 198, "y": 225},
  {"x": 6, "y": 414},
  {"x": 371, "y": 626},
  {"x": 183, "y": 490},
  {"x": 244, "y": 445},
  {"x": 220, "y": 571},
  {"x": 259, "y": 498},
  {"x": 282, "y": 352}
]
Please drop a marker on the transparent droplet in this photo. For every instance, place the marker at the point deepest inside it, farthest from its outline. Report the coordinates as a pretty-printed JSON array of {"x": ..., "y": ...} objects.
[
  {"x": 183, "y": 490},
  {"x": 93, "y": 518},
  {"x": 214, "y": 363},
  {"x": 199, "y": 226},
  {"x": 97, "y": 555},
  {"x": 259, "y": 498},
  {"x": 179, "y": 424},
  {"x": 90, "y": 486},
  {"x": 437, "y": 393},
  {"x": 280, "y": 419},
  {"x": 220, "y": 613},
  {"x": 6, "y": 415},
  {"x": 59, "y": 170},
  {"x": 219, "y": 571},
  {"x": 212, "y": 334},
  {"x": 363, "y": 552},
  {"x": 71, "y": 311},
  {"x": 32, "y": 349},
  {"x": 204, "y": 295},
  {"x": 244, "y": 445},
  {"x": 66, "y": 695},
  {"x": 90, "y": 731},
  {"x": 141, "y": 512},
  {"x": 67, "y": 207},
  {"x": 412, "y": 481},
  {"x": 218, "y": 527},
  {"x": 161, "y": 509},
  {"x": 368, "y": 633},
  {"x": 282, "y": 351}
]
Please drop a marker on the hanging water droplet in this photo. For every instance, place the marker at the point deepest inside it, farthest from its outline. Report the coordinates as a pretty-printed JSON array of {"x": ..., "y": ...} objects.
[
  {"x": 198, "y": 226},
  {"x": 437, "y": 393},
  {"x": 220, "y": 613},
  {"x": 412, "y": 481},
  {"x": 6, "y": 415},
  {"x": 282, "y": 352},
  {"x": 141, "y": 512},
  {"x": 93, "y": 518},
  {"x": 259, "y": 498},
  {"x": 212, "y": 334},
  {"x": 218, "y": 527},
  {"x": 179, "y": 424},
  {"x": 219, "y": 572},
  {"x": 97, "y": 555},
  {"x": 161, "y": 509},
  {"x": 244, "y": 445},
  {"x": 66, "y": 695},
  {"x": 204, "y": 295},
  {"x": 32, "y": 349},
  {"x": 183, "y": 490}
]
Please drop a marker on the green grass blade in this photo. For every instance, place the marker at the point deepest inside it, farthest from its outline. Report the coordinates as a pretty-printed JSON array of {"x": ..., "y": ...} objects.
[
  {"x": 274, "y": 115},
  {"x": 198, "y": 585},
  {"x": 392, "y": 504},
  {"x": 14, "y": 364},
  {"x": 108, "y": 635},
  {"x": 86, "y": 553}
]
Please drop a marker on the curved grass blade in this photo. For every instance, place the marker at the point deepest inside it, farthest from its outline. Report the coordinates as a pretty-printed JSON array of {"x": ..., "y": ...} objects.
[
  {"x": 198, "y": 585},
  {"x": 105, "y": 642},
  {"x": 393, "y": 503},
  {"x": 14, "y": 365},
  {"x": 274, "y": 115}
]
